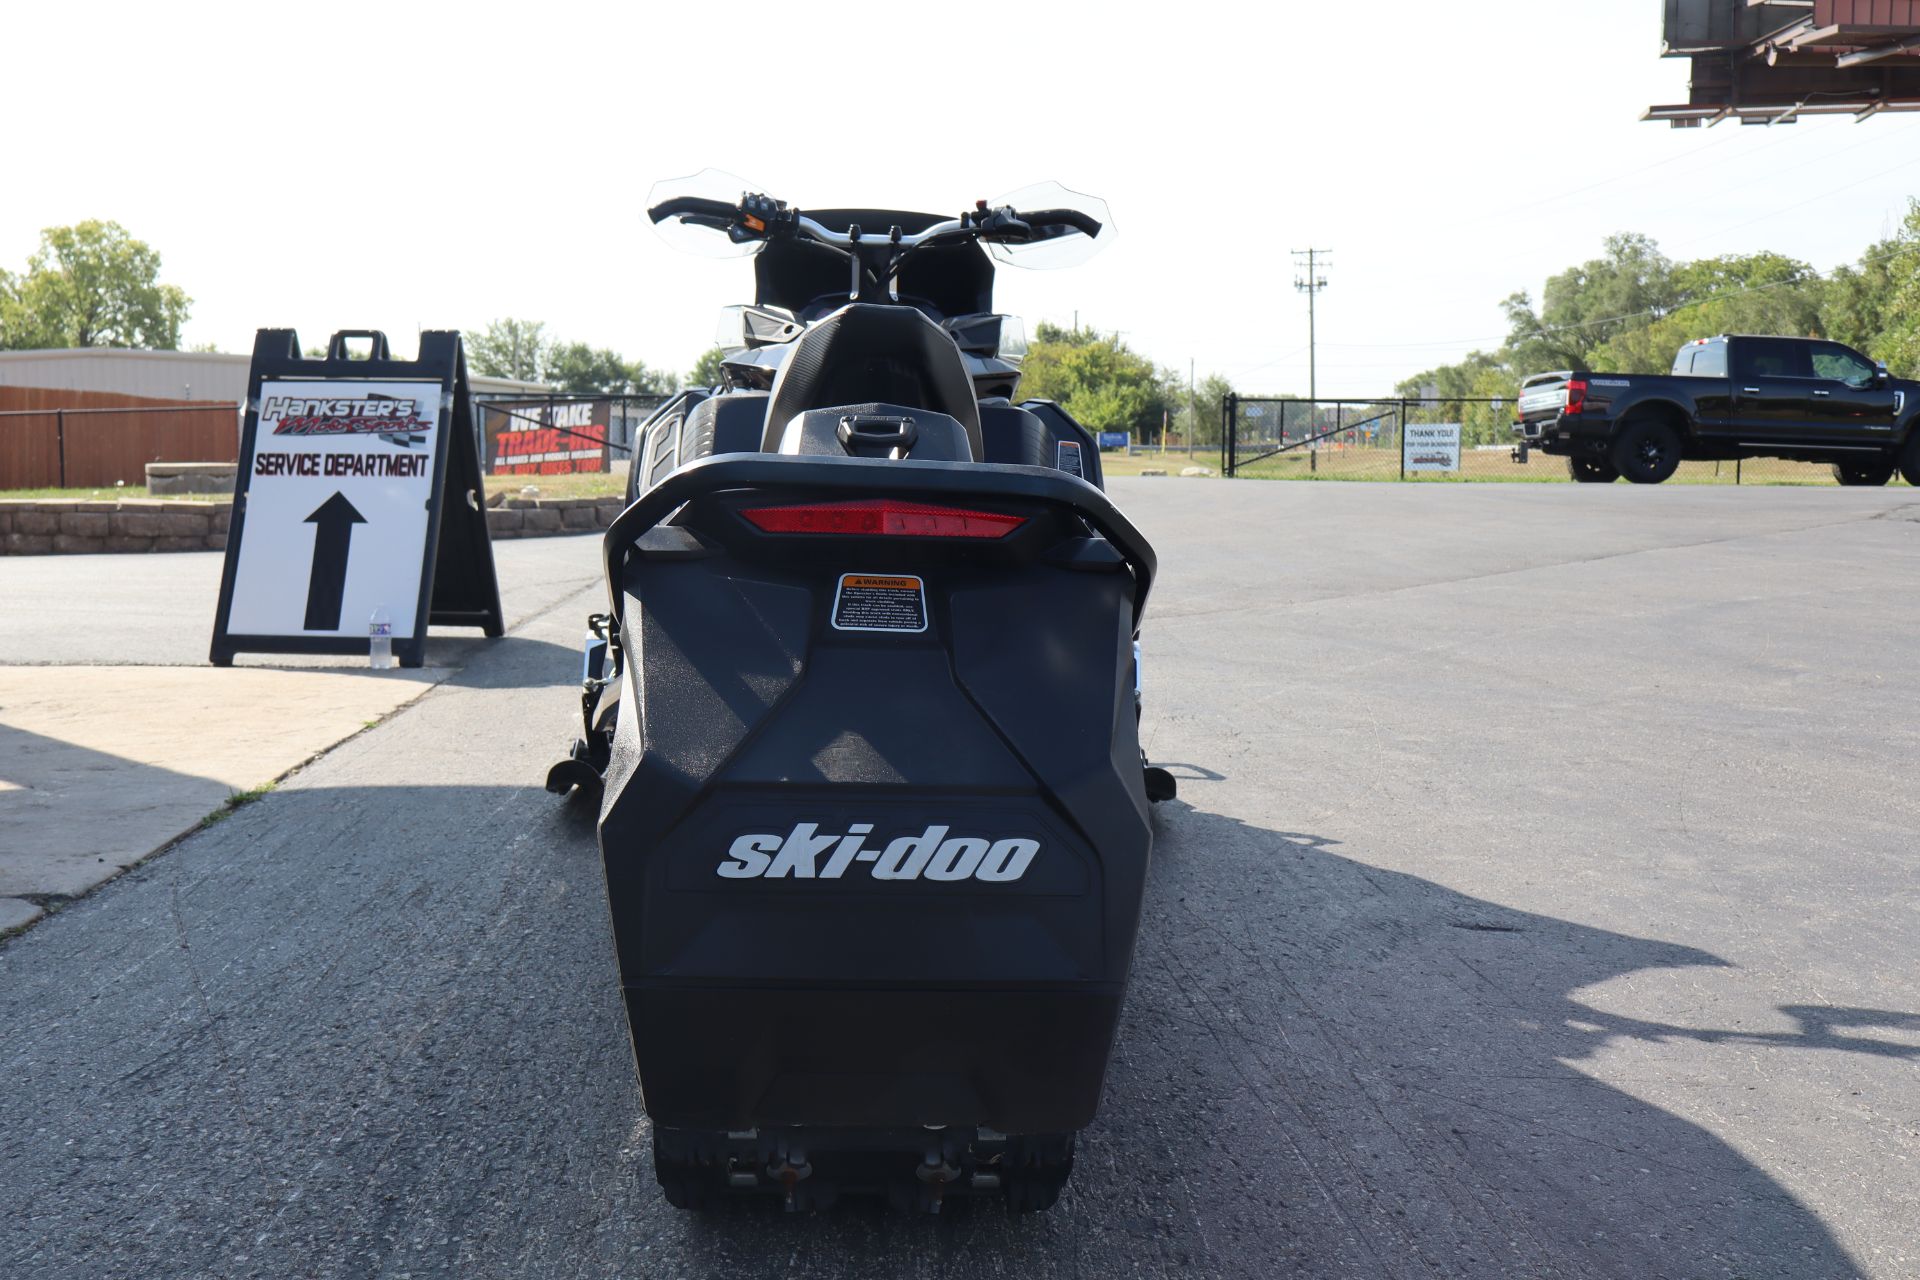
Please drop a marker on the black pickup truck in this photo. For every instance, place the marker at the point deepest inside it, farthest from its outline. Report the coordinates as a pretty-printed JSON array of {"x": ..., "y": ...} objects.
[{"x": 1728, "y": 397}]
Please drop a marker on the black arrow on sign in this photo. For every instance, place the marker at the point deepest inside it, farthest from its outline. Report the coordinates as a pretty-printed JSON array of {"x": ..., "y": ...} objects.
[{"x": 335, "y": 518}]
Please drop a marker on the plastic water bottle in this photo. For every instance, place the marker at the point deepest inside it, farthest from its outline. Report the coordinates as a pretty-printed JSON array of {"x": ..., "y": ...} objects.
[{"x": 380, "y": 640}]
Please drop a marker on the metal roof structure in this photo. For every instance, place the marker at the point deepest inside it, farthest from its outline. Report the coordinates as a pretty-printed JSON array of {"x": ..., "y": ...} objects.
[
  {"x": 1773, "y": 61},
  {"x": 169, "y": 375}
]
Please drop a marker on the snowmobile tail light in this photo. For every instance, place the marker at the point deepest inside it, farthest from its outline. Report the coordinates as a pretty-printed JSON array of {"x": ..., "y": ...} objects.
[{"x": 883, "y": 517}]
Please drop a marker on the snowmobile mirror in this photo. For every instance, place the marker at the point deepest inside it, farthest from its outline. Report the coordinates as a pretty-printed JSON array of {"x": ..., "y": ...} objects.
[
  {"x": 989, "y": 335},
  {"x": 749, "y": 327}
]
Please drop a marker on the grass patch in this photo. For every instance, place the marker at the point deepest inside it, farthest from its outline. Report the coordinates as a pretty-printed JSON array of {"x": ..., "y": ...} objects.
[
  {"x": 235, "y": 802},
  {"x": 1125, "y": 464},
  {"x": 593, "y": 484},
  {"x": 110, "y": 494},
  {"x": 1497, "y": 466}
]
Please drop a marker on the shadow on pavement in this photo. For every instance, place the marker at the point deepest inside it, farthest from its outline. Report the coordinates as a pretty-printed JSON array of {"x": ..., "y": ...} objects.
[
  {"x": 72, "y": 816},
  {"x": 1398, "y": 1061},
  {"x": 513, "y": 662},
  {"x": 375, "y": 1030}
]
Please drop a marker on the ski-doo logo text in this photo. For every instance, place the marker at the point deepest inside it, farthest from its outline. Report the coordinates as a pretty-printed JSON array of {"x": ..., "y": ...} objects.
[{"x": 807, "y": 853}]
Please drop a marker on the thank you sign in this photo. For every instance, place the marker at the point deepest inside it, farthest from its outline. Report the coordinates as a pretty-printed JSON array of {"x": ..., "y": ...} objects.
[{"x": 1433, "y": 446}]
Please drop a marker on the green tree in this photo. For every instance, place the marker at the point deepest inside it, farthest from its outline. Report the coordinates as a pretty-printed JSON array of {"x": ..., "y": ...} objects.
[
  {"x": 1899, "y": 341},
  {"x": 1736, "y": 293},
  {"x": 1098, "y": 380},
  {"x": 706, "y": 370},
  {"x": 91, "y": 285},
  {"x": 1057, "y": 336},
  {"x": 509, "y": 348},
  {"x": 578, "y": 368},
  {"x": 1584, "y": 306},
  {"x": 1629, "y": 311},
  {"x": 1481, "y": 374},
  {"x": 1209, "y": 397},
  {"x": 1857, "y": 307}
]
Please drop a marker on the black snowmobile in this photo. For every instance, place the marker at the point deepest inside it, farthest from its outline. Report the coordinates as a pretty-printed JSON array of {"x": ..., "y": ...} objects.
[{"x": 862, "y": 716}]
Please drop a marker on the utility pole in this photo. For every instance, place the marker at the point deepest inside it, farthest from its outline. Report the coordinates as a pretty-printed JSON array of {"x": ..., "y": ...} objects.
[{"x": 1310, "y": 284}]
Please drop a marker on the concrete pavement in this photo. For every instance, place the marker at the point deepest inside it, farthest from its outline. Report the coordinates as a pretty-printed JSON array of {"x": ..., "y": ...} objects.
[
  {"x": 106, "y": 764},
  {"x": 1540, "y": 902},
  {"x": 102, "y": 764}
]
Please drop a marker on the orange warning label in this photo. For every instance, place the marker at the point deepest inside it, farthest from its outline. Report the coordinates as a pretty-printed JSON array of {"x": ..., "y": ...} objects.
[{"x": 879, "y": 602}]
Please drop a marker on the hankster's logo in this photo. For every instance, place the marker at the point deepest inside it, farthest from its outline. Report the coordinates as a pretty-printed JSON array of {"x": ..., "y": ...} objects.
[
  {"x": 398, "y": 420},
  {"x": 807, "y": 853}
]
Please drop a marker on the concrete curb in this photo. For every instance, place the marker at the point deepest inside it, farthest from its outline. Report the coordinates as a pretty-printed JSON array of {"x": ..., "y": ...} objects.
[{"x": 152, "y": 755}]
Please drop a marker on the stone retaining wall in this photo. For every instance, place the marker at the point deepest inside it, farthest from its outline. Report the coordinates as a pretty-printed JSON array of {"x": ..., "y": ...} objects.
[
  {"x": 533, "y": 518},
  {"x": 35, "y": 527}
]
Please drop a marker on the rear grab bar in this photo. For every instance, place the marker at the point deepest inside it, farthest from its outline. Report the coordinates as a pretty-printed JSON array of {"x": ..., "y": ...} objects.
[{"x": 868, "y": 476}]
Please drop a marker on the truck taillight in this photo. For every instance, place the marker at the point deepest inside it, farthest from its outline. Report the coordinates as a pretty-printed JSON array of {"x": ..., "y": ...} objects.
[
  {"x": 884, "y": 518},
  {"x": 1576, "y": 394}
]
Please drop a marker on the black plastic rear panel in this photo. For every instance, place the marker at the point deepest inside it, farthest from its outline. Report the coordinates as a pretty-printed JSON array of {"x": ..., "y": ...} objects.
[{"x": 860, "y": 1001}]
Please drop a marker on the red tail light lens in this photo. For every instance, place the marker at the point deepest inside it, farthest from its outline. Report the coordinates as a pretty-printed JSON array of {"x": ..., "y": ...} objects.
[
  {"x": 884, "y": 518},
  {"x": 1576, "y": 394}
]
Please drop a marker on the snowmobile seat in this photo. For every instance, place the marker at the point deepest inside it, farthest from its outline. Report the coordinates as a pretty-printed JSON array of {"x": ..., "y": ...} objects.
[{"x": 865, "y": 353}]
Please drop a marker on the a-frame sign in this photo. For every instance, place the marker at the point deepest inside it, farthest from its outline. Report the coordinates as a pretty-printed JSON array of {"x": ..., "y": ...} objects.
[{"x": 359, "y": 491}]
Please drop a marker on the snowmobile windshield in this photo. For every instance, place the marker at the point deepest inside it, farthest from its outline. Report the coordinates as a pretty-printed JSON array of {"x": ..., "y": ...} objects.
[
  {"x": 704, "y": 234},
  {"x": 1055, "y": 240}
]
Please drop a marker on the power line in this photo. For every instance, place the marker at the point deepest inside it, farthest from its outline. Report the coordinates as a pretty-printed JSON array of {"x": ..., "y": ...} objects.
[
  {"x": 1310, "y": 284},
  {"x": 1866, "y": 259},
  {"x": 1828, "y": 193}
]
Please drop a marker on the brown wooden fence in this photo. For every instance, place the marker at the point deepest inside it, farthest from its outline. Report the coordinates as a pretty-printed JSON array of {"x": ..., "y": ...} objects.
[{"x": 50, "y": 438}]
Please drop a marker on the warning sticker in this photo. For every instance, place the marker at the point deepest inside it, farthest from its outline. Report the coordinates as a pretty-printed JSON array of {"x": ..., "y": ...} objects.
[
  {"x": 879, "y": 602},
  {"x": 1068, "y": 459}
]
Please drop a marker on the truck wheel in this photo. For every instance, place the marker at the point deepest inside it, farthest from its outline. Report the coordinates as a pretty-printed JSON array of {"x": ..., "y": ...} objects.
[
  {"x": 1592, "y": 470},
  {"x": 1646, "y": 451},
  {"x": 1910, "y": 458},
  {"x": 1862, "y": 473}
]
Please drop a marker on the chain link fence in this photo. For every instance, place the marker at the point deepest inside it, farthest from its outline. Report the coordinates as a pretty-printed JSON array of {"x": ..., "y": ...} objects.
[{"x": 1285, "y": 438}]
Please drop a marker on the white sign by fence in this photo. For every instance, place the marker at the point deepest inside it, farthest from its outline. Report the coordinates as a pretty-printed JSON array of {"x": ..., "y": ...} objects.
[
  {"x": 1433, "y": 446},
  {"x": 339, "y": 490}
]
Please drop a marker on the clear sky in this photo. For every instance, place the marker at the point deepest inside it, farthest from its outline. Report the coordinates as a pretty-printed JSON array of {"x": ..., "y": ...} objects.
[{"x": 414, "y": 165}]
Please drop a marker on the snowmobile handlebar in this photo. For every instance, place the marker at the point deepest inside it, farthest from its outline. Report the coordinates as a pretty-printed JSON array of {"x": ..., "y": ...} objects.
[
  {"x": 1055, "y": 218},
  {"x": 900, "y": 479},
  {"x": 745, "y": 220},
  {"x": 693, "y": 206}
]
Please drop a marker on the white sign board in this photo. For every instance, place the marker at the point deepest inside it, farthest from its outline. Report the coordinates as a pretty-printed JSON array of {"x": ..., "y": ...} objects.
[
  {"x": 1433, "y": 446},
  {"x": 337, "y": 504}
]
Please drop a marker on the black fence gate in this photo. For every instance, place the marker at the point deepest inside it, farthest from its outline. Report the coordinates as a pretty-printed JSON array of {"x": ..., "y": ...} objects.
[
  {"x": 1392, "y": 438},
  {"x": 1285, "y": 438}
]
